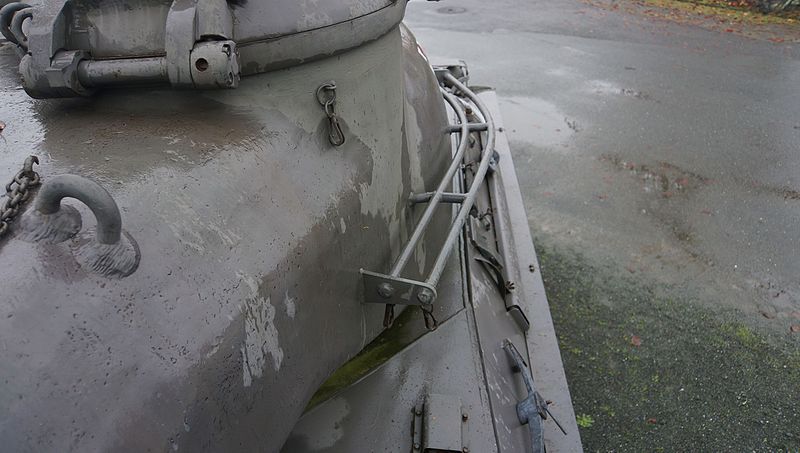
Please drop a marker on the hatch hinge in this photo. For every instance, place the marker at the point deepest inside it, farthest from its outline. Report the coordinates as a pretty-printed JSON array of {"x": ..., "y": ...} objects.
[
  {"x": 199, "y": 51},
  {"x": 440, "y": 425}
]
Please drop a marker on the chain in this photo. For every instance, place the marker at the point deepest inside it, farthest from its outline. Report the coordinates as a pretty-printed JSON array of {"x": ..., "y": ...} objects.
[
  {"x": 430, "y": 322},
  {"x": 326, "y": 96},
  {"x": 427, "y": 313},
  {"x": 18, "y": 192}
]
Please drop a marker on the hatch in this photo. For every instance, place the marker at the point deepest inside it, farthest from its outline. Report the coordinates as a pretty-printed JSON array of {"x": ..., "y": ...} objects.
[{"x": 70, "y": 48}]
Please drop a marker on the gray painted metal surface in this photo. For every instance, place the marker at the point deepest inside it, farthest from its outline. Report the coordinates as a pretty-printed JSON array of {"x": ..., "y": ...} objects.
[
  {"x": 464, "y": 359},
  {"x": 189, "y": 273},
  {"x": 251, "y": 228},
  {"x": 70, "y": 48},
  {"x": 541, "y": 339}
]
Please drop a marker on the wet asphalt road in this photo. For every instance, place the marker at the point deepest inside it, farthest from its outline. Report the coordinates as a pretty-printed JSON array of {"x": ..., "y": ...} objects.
[
  {"x": 662, "y": 152},
  {"x": 671, "y": 150}
]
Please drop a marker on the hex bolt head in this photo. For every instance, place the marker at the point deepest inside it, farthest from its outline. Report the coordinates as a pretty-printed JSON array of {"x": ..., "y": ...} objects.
[
  {"x": 465, "y": 450},
  {"x": 416, "y": 445},
  {"x": 385, "y": 290},
  {"x": 425, "y": 296},
  {"x": 464, "y": 417}
]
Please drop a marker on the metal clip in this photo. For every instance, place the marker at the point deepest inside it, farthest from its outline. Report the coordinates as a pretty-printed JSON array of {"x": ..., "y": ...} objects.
[
  {"x": 326, "y": 96},
  {"x": 532, "y": 410}
]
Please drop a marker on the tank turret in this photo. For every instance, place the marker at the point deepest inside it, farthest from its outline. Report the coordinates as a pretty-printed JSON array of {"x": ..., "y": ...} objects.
[{"x": 215, "y": 205}]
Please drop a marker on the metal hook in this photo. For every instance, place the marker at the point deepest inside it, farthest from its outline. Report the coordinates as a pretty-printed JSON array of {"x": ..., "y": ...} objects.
[
  {"x": 330, "y": 97},
  {"x": 326, "y": 96}
]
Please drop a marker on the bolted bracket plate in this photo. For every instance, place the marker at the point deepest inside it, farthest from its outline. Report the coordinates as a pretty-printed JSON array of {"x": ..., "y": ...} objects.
[
  {"x": 441, "y": 425},
  {"x": 385, "y": 289}
]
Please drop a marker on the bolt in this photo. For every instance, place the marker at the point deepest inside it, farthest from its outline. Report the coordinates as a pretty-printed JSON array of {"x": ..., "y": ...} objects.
[
  {"x": 418, "y": 412},
  {"x": 464, "y": 417},
  {"x": 465, "y": 450},
  {"x": 501, "y": 129},
  {"x": 385, "y": 290},
  {"x": 532, "y": 268},
  {"x": 416, "y": 445},
  {"x": 425, "y": 296}
]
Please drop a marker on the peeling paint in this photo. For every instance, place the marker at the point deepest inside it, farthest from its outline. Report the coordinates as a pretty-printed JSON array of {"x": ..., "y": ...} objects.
[
  {"x": 261, "y": 335},
  {"x": 291, "y": 308}
]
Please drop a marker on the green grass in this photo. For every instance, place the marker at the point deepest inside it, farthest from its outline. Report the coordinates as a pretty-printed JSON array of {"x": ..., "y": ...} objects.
[{"x": 701, "y": 379}]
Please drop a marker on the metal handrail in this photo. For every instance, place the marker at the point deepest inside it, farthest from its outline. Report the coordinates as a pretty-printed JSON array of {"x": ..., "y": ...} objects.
[{"x": 393, "y": 289}]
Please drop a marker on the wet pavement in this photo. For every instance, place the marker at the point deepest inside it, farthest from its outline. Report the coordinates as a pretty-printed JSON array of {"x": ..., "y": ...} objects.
[{"x": 664, "y": 159}]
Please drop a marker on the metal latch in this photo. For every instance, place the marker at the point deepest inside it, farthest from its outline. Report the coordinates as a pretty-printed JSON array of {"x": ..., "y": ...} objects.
[
  {"x": 532, "y": 410},
  {"x": 440, "y": 425}
]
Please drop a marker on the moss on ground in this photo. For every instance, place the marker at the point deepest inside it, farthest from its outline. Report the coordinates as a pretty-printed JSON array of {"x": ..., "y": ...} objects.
[{"x": 699, "y": 379}]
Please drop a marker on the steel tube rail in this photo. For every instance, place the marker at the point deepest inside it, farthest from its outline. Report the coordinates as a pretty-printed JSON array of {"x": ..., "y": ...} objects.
[
  {"x": 480, "y": 175},
  {"x": 477, "y": 127},
  {"x": 408, "y": 250},
  {"x": 129, "y": 71},
  {"x": 447, "y": 197}
]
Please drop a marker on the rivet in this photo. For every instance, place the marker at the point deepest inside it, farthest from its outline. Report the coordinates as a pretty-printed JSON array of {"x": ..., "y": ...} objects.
[
  {"x": 425, "y": 296},
  {"x": 385, "y": 290}
]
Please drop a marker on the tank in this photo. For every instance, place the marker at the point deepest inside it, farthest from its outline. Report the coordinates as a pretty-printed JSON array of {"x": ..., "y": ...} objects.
[{"x": 261, "y": 226}]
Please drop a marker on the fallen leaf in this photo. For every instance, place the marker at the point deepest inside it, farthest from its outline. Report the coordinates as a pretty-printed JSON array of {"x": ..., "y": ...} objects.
[
  {"x": 636, "y": 341},
  {"x": 729, "y": 30},
  {"x": 2, "y": 126},
  {"x": 652, "y": 421},
  {"x": 795, "y": 328}
]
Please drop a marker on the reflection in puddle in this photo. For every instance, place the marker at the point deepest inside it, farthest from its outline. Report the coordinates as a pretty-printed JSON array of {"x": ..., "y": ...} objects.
[{"x": 536, "y": 121}]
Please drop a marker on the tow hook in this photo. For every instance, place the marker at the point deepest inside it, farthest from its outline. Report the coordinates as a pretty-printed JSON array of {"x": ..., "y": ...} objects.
[{"x": 106, "y": 249}]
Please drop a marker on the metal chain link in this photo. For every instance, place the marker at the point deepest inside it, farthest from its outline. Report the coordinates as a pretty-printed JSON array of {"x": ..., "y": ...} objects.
[
  {"x": 430, "y": 322},
  {"x": 18, "y": 192},
  {"x": 326, "y": 96},
  {"x": 427, "y": 314}
]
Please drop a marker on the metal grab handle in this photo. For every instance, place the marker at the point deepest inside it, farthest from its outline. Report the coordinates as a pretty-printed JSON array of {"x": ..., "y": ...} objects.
[
  {"x": 391, "y": 288},
  {"x": 93, "y": 195}
]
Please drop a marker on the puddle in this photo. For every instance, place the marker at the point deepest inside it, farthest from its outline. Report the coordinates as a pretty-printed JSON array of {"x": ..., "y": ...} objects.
[
  {"x": 663, "y": 178},
  {"x": 536, "y": 121},
  {"x": 605, "y": 88}
]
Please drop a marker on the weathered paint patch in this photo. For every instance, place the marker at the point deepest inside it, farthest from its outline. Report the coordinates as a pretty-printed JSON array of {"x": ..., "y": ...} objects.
[
  {"x": 261, "y": 335},
  {"x": 291, "y": 308},
  {"x": 324, "y": 438}
]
